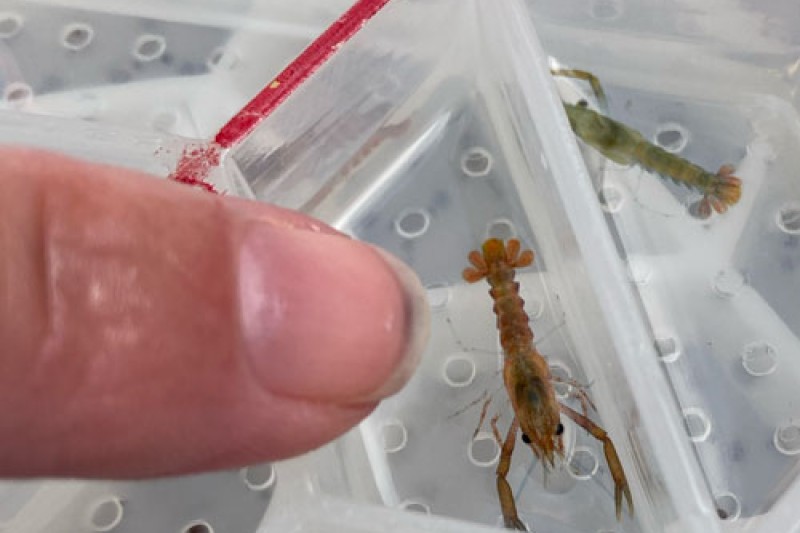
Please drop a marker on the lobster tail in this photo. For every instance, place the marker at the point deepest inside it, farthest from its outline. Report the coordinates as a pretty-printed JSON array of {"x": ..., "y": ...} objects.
[
  {"x": 724, "y": 190},
  {"x": 727, "y": 187}
]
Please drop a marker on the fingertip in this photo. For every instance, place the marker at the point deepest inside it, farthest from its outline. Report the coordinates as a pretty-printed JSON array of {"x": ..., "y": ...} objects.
[
  {"x": 328, "y": 318},
  {"x": 417, "y": 324},
  {"x": 223, "y": 332}
]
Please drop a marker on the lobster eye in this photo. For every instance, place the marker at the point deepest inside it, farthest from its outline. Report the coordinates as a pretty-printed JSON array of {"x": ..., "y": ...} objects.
[
  {"x": 559, "y": 429},
  {"x": 583, "y": 103},
  {"x": 526, "y": 439}
]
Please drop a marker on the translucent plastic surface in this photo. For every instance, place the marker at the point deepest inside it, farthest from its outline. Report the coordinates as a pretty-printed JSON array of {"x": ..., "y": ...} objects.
[
  {"x": 435, "y": 127},
  {"x": 164, "y": 505},
  {"x": 719, "y": 295},
  {"x": 116, "y": 82},
  {"x": 182, "y": 67},
  {"x": 426, "y": 143}
]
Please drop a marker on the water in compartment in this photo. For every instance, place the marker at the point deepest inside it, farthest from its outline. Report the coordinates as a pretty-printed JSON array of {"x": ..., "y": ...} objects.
[
  {"x": 452, "y": 178},
  {"x": 426, "y": 146},
  {"x": 720, "y": 295}
]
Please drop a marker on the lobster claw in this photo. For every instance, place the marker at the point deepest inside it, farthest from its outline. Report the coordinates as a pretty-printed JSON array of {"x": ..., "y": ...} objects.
[{"x": 618, "y": 475}]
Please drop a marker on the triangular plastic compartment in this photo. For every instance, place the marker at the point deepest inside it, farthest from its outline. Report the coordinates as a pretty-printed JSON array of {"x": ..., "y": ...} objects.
[
  {"x": 720, "y": 295},
  {"x": 435, "y": 126}
]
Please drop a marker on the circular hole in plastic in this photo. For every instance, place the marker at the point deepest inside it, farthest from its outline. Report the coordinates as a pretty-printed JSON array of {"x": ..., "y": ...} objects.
[
  {"x": 639, "y": 272},
  {"x": 483, "y": 450},
  {"x": 438, "y": 295},
  {"x": 788, "y": 219},
  {"x": 149, "y": 47},
  {"x": 583, "y": 463},
  {"x": 222, "y": 58},
  {"x": 459, "y": 371},
  {"x": 672, "y": 137},
  {"x": 476, "y": 162},
  {"x": 106, "y": 514},
  {"x": 728, "y": 506},
  {"x": 394, "y": 436},
  {"x": 727, "y": 283},
  {"x": 10, "y": 24},
  {"x": 759, "y": 358},
  {"x": 501, "y": 228},
  {"x": 561, "y": 373},
  {"x": 611, "y": 199},
  {"x": 18, "y": 93},
  {"x": 787, "y": 439},
  {"x": 76, "y": 36},
  {"x": 558, "y": 480},
  {"x": 416, "y": 506},
  {"x": 534, "y": 308},
  {"x": 606, "y": 9},
  {"x": 698, "y": 426},
  {"x": 198, "y": 526},
  {"x": 668, "y": 348},
  {"x": 259, "y": 477},
  {"x": 412, "y": 223},
  {"x": 215, "y": 58},
  {"x": 693, "y": 203}
]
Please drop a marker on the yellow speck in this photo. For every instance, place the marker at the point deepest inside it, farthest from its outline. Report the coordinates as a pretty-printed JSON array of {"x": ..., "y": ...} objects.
[{"x": 275, "y": 84}]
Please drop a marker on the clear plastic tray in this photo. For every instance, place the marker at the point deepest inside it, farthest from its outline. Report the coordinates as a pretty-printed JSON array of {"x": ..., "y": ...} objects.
[
  {"x": 426, "y": 142},
  {"x": 718, "y": 295},
  {"x": 182, "y": 68},
  {"x": 435, "y": 126},
  {"x": 81, "y": 77}
]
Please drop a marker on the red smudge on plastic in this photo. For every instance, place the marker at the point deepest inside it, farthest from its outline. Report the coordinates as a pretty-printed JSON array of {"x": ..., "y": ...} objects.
[{"x": 196, "y": 162}]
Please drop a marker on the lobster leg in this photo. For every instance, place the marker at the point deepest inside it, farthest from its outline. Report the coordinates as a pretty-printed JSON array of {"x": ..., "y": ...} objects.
[
  {"x": 612, "y": 459},
  {"x": 507, "y": 505},
  {"x": 587, "y": 76}
]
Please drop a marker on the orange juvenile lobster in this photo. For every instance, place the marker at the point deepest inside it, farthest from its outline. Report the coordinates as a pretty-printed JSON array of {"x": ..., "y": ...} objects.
[{"x": 527, "y": 379}]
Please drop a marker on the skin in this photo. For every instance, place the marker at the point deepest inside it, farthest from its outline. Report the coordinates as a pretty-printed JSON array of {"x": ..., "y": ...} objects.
[{"x": 148, "y": 328}]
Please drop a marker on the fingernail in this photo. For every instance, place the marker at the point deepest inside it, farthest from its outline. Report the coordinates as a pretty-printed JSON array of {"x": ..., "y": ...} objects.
[
  {"x": 418, "y": 324},
  {"x": 324, "y": 319}
]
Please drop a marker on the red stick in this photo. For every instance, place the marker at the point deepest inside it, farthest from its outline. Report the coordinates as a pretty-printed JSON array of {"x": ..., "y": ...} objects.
[
  {"x": 298, "y": 70},
  {"x": 195, "y": 163}
]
